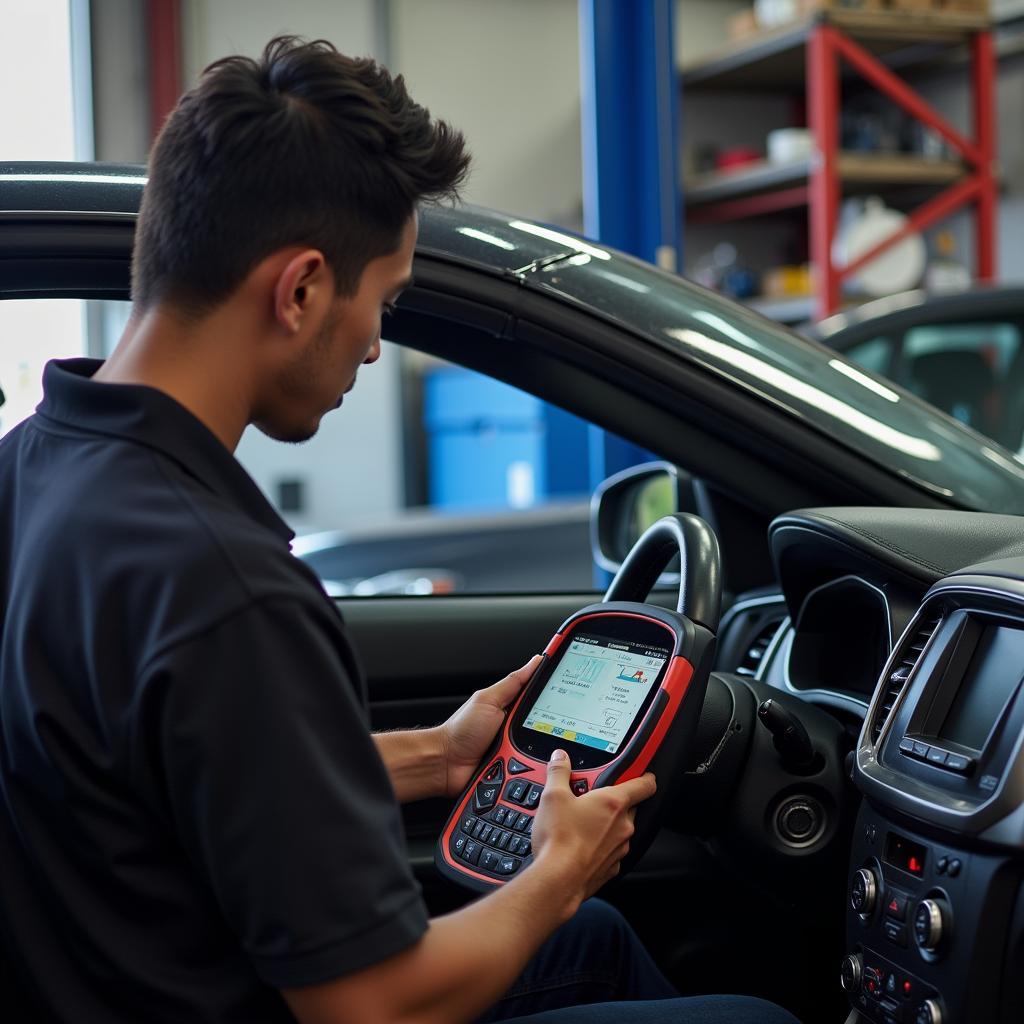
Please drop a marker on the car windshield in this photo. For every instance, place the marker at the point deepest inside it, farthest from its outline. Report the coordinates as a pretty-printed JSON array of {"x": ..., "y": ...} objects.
[{"x": 869, "y": 414}]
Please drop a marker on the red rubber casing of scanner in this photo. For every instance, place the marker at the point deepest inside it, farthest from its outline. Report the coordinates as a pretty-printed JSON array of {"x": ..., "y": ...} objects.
[{"x": 674, "y": 685}]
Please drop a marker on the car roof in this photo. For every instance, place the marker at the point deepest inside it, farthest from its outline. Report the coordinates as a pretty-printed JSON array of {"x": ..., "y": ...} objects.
[{"x": 866, "y": 413}]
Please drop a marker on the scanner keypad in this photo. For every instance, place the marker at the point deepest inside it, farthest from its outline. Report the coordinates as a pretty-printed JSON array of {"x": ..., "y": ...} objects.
[{"x": 496, "y": 839}]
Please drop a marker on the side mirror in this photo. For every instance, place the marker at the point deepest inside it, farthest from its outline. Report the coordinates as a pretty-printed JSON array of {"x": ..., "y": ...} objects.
[{"x": 626, "y": 504}]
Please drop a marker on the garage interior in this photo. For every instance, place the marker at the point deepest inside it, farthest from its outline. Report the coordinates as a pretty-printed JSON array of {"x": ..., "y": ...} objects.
[
  {"x": 780, "y": 148},
  {"x": 843, "y": 181}
]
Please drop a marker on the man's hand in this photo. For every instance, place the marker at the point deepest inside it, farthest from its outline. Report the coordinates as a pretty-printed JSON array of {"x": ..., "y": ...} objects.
[
  {"x": 466, "y": 736},
  {"x": 589, "y": 835}
]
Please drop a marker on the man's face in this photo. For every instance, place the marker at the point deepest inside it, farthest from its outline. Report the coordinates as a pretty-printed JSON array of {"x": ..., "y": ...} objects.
[{"x": 348, "y": 336}]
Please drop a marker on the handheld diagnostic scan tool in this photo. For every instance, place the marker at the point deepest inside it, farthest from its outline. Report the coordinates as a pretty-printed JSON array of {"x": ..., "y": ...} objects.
[{"x": 620, "y": 688}]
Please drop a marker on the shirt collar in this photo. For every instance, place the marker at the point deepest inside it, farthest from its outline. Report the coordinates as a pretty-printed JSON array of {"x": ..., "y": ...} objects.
[{"x": 136, "y": 412}]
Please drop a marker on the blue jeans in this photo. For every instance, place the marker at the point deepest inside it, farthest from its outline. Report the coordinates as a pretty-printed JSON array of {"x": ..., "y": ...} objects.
[{"x": 594, "y": 970}]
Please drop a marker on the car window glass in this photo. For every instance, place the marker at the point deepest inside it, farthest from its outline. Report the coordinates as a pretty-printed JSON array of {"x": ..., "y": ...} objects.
[
  {"x": 435, "y": 479},
  {"x": 874, "y": 354},
  {"x": 969, "y": 370},
  {"x": 431, "y": 479}
]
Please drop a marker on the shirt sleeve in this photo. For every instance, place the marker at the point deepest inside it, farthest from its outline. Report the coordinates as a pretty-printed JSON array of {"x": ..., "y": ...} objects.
[{"x": 274, "y": 787}]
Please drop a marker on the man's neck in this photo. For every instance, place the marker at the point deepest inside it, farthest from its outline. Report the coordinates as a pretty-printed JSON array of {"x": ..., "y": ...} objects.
[{"x": 193, "y": 363}]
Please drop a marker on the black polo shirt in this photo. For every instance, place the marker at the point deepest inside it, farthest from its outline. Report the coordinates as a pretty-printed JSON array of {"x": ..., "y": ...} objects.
[{"x": 192, "y": 810}]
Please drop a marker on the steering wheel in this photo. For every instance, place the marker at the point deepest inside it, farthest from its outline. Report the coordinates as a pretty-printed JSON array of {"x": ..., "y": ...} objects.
[{"x": 698, "y": 603}]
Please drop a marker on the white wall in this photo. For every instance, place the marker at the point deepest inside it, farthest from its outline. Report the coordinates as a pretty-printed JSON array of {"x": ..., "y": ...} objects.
[
  {"x": 216, "y": 28},
  {"x": 507, "y": 73},
  {"x": 351, "y": 471}
]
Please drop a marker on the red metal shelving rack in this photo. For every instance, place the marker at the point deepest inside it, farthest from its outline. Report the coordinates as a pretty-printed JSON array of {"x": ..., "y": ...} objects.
[
  {"x": 828, "y": 42},
  {"x": 826, "y": 47}
]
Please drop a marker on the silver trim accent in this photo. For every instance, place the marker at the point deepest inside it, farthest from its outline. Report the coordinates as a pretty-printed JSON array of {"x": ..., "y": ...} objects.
[
  {"x": 68, "y": 215},
  {"x": 817, "y": 812},
  {"x": 936, "y": 925},
  {"x": 773, "y": 646},
  {"x": 870, "y": 893},
  {"x": 873, "y": 774},
  {"x": 854, "y": 960},
  {"x": 834, "y": 697},
  {"x": 751, "y": 602},
  {"x": 796, "y": 628},
  {"x": 934, "y": 1009}
]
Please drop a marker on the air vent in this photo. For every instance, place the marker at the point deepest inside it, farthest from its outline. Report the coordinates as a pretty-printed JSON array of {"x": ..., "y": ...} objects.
[
  {"x": 897, "y": 680},
  {"x": 755, "y": 652}
]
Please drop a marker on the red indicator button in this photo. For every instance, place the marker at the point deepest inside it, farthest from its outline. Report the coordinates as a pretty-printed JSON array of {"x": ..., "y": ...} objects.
[
  {"x": 914, "y": 866},
  {"x": 907, "y": 988}
]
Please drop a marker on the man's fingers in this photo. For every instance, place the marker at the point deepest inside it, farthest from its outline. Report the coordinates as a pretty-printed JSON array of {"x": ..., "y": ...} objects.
[
  {"x": 637, "y": 790},
  {"x": 558, "y": 769},
  {"x": 505, "y": 691}
]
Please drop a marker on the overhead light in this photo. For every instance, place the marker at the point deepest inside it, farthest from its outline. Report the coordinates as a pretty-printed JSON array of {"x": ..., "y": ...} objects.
[
  {"x": 560, "y": 238},
  {"x": 483, "y": 236}
]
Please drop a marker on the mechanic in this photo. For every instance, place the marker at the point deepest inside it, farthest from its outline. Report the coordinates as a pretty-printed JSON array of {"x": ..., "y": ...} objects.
[{"x": 196, "y": 823}]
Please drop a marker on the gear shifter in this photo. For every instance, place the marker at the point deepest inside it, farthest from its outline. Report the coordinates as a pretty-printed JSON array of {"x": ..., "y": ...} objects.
[{"x": 790, "y": 737}]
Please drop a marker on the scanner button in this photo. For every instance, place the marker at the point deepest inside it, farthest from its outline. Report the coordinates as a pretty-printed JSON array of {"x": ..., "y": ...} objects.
[
  {"x": 516, "y": 790},
  {"x": 517, "y": 767},
  {"x": 467, "y": 824},
  {"x": 579, "y": 787},
  {"x": 486, "y": 796},
  {"x": 495, "y": 773},
  {"x": 508, "y": 865},
  {"x": 522, "y": 822},
  {"x": 514, "y": 843},
  {"x": 489, "y": 860},
  {"x": 532, "y": 797},
  {"x": 471, "y": 851}
]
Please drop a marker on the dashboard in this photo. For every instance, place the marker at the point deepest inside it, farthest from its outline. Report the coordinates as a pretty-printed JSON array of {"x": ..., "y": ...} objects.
[{"x": 909, "y": 626}]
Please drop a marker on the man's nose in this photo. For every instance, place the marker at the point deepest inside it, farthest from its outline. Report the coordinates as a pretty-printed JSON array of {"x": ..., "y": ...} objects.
[{"x": 374, "y": 354}]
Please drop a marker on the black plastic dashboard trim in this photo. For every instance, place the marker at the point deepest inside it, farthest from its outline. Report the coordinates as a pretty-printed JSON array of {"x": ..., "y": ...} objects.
[{"x": 999, "y": 819}]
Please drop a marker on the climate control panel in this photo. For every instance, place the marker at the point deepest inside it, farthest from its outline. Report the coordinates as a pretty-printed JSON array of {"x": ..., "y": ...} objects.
[{"x": 926, "y": 927}]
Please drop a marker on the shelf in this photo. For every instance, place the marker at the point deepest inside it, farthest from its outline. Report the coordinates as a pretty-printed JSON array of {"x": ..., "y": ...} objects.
[
  {"x": 857, "y": 170},
  {"x": 775, "y": 59}
]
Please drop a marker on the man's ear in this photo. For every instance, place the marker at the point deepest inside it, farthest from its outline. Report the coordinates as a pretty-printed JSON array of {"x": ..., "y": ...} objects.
[{"x": 304, "y": 284}]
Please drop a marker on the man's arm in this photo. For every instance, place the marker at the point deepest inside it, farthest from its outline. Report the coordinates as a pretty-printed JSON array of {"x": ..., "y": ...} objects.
[
  {"x": 415, "y": 762},
  {"x": 464, "y": 963},
  {"x": 439, "y": 761}
]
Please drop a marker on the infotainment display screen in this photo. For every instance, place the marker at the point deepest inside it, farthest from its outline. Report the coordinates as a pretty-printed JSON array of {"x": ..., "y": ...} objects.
[
  {"x": 596, "y": 690},
  {"x": 992, "y": 677}
]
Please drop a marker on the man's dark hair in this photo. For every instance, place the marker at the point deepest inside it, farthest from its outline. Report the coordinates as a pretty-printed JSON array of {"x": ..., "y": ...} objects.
[{"x": 304, "y": 146}]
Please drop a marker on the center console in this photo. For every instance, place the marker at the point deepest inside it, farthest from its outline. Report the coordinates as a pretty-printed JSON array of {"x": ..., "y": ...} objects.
[{"x": 935, "y": 913}]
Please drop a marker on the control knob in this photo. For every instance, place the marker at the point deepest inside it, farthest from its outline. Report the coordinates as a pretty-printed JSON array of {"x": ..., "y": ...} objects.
[
  {"x": 850, "y": 972},
  {"x": 929, "y": 1012},
  {"x": 864, "y": 892},
  {"x": 931, "y": 923}
]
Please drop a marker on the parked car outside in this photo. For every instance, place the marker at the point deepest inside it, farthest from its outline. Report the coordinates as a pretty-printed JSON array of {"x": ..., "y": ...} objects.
[{"x": 963, "y": 352}]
